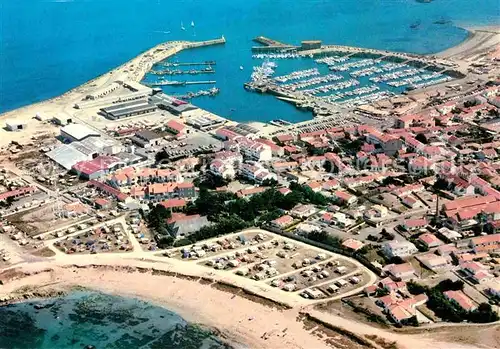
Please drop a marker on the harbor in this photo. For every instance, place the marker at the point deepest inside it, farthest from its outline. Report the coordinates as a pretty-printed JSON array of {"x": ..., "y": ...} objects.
[{"x": 340, "y": 76}]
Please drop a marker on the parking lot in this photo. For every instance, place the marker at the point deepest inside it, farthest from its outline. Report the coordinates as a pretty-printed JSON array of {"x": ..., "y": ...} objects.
[
  {"x": 289, "y": 265},
  {"x": 97, "y": 240}
]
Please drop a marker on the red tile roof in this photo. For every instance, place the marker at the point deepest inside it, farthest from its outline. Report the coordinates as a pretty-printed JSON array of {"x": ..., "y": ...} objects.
[
  {"x": 462, "y": 300},
  {"x": 17, "y": 192},
  {"x": 173, "y": 203}
]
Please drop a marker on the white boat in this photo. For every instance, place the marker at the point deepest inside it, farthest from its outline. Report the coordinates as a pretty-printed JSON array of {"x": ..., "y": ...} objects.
[
  {"x": 241, "y": 67},
  {"x": 182, "y": 26},
  {"x": 192, "y": 23}
]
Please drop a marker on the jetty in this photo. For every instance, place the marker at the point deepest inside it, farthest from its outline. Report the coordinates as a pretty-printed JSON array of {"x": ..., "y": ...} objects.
[
  {"x": 183, "y": 72},
  {"x": 214, "y": 42},
  {"x": 140, "y": 65},
  {"x": 182, "y": 83},
  {"x": 269, "y": 42},
  {"x": 270, "y": 45},
  {"x": 169, "y": 64}
]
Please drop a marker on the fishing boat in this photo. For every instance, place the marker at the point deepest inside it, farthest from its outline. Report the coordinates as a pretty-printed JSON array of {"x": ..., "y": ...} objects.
[
  {"x": 415, "y": 25},
  {"x": 182, "y": 26}
]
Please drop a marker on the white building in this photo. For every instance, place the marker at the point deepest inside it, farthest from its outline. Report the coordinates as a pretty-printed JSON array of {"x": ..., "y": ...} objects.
[
  {"x": 399, "y": 249},
  {"x": 223, "y": 170},
  {"x": 77, "y": 132},
  {"x": 13, "y": 125},
  {"x": 250, "y": 149},
  {"x": 256, "y": 173}
]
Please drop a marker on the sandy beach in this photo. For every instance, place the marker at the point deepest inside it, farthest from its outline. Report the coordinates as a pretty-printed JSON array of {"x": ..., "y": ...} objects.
[
  {"x": 479, "y": 42},
  {"x": 244, "y": 321}
]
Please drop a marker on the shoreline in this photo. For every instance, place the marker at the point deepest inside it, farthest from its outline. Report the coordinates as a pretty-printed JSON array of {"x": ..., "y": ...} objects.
[
  {"x": 479, "y": 39},
  {"x": 453, "y": 50},
  {"x": 239, "y": 318}
]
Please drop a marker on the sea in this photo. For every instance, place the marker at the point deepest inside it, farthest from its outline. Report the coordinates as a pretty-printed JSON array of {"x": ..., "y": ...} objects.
[
  {"x": 50, "y": 46},
  {"x": 85, "y": 319}
]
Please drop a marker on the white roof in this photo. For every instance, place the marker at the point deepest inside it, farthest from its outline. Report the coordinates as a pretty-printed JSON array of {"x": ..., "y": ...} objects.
[
  {"x": 78, "y": 131},
  {"x": 66, "y": 156}
]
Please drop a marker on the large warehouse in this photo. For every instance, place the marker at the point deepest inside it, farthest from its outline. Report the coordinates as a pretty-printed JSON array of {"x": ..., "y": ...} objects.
[
  {"x": 67, "y": 155},
  {"x": 127, "y": 109},
  {"x": 77, "y": 132},
  {"x": 171, "y": 104}
]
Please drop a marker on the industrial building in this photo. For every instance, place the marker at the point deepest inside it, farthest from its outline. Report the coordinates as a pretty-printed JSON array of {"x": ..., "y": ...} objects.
[
  {"x": 147, "y": 138},
  {"x": 77, "y": 132},
  {"x": 204, "y": 123},
  {"x": 66, "y": 155},
  {"x": 62, "y": 120},
  {"x": 175, "y": 127},
  {"x": 173, "y": 105},
  {"x": 12, "y": 125},
  {"x": 98, "y": 167},
  {"x": 127, "y": 109}
]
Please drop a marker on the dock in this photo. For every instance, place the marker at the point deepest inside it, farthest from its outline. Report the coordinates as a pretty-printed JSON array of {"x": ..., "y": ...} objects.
[
  {"x": 270, "y": 45},
  {"x": 190, "y": 63},
  {"x": 182, "y": 72},
  {"x": 220, "y": 41},
  {"x": 269, "y": 42},
  {"x": 183, "y": 83}
]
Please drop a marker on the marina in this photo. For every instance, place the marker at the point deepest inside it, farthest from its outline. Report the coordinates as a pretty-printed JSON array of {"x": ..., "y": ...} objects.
[{"x": 362, "y": 76}]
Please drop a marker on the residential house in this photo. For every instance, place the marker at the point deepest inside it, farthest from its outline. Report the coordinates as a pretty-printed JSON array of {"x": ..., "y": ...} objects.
[
  {"x": 476, "y": 271},
  {"x": 220, "y": 169},
  {"x": 400, "y": 272},
  {"x": 429, "y": 240},
  {"x": 303, "y": 211},
  {"x": 460, "y": 299},
  {"x": 256, "y": 173},
  {"x": 414, "y": 224},
  {"x": 352, "y": 244},
  {"x": 399, "y": 249},
  {"x": 344, "y": 198},
  {"x": 250, "y": 149},
  {"x": 282, "y": 222},
  {"x": 434, "y": 262},
  {"x": 17, "y": 193},
  {"x": 410, "y": 201},
  {"x": 246, "y": 193},
  {"x": 330, "y": 185},
  {"x": 172, "y": 204},
  {"x": 180, "y": 225}
]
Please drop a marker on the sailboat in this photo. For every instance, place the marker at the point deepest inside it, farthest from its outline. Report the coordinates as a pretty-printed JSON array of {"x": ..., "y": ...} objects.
[
  {"x": 192, "y": 23},
  {"x": 182, "y": 26}
]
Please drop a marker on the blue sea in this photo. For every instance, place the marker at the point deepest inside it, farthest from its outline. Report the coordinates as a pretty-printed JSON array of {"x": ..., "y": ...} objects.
[
  {"x": 50, "y": 46},
  {"x": 85, "y": 319}
]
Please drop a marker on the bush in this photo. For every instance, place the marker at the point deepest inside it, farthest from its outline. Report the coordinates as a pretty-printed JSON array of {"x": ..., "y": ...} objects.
[
  {"x": 483, "y": 314},
  {"x": 415, "y": 288},
  {"x": 449, "y": 285},
  {"x": 182, "y": 242}
]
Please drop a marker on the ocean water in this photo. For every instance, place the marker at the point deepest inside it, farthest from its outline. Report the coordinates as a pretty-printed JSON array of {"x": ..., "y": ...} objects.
[
  {"x": 83, "y": 319},
  {"x": 50, "y": 46}
]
